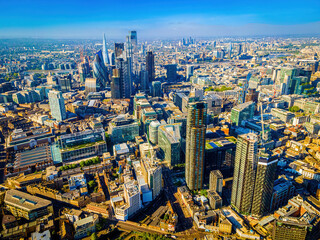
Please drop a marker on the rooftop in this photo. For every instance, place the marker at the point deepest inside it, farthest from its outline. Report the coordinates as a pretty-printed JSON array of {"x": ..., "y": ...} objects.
[{"x": 24, "y": 200}]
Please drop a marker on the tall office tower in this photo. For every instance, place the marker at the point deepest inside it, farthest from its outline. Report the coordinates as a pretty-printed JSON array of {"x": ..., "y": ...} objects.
[
  {"x": 195, "y": 144},
  {"x": 57, "y": 107},
  {"x": 150, "y": 66},
  {"x": 171, "y": 72},
  {"x": 134, "y": 40},
  {"x": 240, "y": 49},
  {"x": 65, "y": 83},
  {"x": 90, "y": 85},
  {"x": 112, "y": 59},
  {"x": 244, "y": 172},
  {"x": 144, "y": 81},
  {"x": 252, "y": 95},
  {"x": 118, "y": 49},
  {"x": 156, "y": 89},
  {"x": 263, "y": 187},
  {"x": 214, "y": 44},
  {"x": 230, "y": 49},
  {"x": 244, "y": 90},
  {"x": 241, "y": 112},
  {"x": 125, "y": 77},
  {"x": 105, "y": 52},
  {"x": 253, "y": 177},
  {"x": 189, "y": 72},
  {"x": 115, "y": 84},
  {"x": 216, "y": 181},
  {"x": 100, "y": 71},
  {"x": 84, "y": 69}
]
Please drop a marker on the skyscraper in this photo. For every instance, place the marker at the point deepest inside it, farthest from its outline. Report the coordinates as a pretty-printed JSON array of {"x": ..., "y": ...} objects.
[
  {"x": 171, "y": 72},
  {"x": 118, "y": 49},
  {"x": 189, "y": 72},
  {"x": 156, "y": 89},
  {"x": 263, "y": 187},
  {"x": 134, "y": 40},
  {"x": 244, "y": 90},
  {"x": 115, "y": 84},
  {"x": 150, "y": 66},
  {"x": 195, "y": 144},
  {"x": 105, "y": 52},
  {"x": 144, "y": 81},
  {"x": 84, "y": 69},
  {"x": 253, "y": 178},
  {"x": 57, "y": 107},
  {"x": 124, "y": 77},
  {"x": 244, "y": 172},
  {"x": 100, "y": 71}
]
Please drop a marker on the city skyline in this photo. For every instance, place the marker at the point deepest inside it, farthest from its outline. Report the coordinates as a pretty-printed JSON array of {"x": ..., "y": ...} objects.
[{"x": 165, "y": 19}]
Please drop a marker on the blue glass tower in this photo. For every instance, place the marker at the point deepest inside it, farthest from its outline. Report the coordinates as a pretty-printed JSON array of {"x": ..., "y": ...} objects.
[
  {"x": 100, "y": 71},
  {"x": 57, "y": 107},
  {"x": 105, "y": 52}
]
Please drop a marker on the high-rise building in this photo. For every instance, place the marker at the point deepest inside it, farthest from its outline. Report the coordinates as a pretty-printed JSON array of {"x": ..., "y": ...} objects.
[
  {"x": 105, "y": 52},
  {"x": 242, "y": 112},
  {"x": 171, "y": 72},
  {"x": 253, "y": 177},
  {"x": 115, "y": 84},
  {"x": 169, "y": 142},
  {"x": 244, "y": 89},
  {"x": 189, "y": 72},
  {"x": 84, "y": 69},
  {"x": 57, "y": 107},
  {"x": 65, "y": 83},
  {"x": 118, "y": 49},
  {"x": 252, "y": 95},
  {"x": 216, "y": 181},
  {"x": 263, "y": 187},
  {"x": 153, "y": 131},
  {"x": 132, "y": 197},
  {"x": 195, "y": 144},
  {"x": 91, "y": 85},
  {"x": 244, "y": 172},
  {"x": 112, "y": 59},
  {"x": 240, "y": 49},
  {"x": 156, "y": 89},
  {"x": 150, "y": 66},
  {"x": 134, "y": 40},
  {"x": 100, "y": 71},
  {"x": 124, "y": 77},
  {"x": 152, "y": 173},
  {"x": 144, "y": 81}
]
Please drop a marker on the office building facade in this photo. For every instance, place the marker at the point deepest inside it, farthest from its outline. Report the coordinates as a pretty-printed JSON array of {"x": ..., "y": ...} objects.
[
  {"x": 171, "y": 72},
  {"x": 216, "y": 181},
  {"x": 195, "y": 144},
  {"x": 254, "y": 174},
  {"x": 100, "y": 71},
  {"x": 150, "y": 66},
  {"x": 57, "y": 106}
]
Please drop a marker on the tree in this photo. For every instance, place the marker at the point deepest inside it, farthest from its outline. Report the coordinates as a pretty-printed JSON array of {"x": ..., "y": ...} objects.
[
  {"x": 294, "y": 109},
  {"x": 94, "y": 236}
]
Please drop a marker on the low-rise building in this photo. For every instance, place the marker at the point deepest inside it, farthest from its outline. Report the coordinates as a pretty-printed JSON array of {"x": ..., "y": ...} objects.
[{"x": 24, "y": 205}]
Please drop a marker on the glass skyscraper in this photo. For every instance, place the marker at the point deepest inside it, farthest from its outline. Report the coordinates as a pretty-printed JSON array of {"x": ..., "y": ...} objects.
[
  {"x": 105, "y": 53},
  {"x": 253, "y": 177},
  {"x": 57, "y": 107},
  {"x": 195, "y": 144},
  {"x": 100, "y": 71}
]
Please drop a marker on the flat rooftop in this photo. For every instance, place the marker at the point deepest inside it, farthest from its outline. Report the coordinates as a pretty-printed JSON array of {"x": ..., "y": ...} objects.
[{"x": 24, "y": 200}]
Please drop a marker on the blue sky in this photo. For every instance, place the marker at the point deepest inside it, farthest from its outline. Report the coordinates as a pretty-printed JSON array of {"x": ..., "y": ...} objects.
[{"x": 157, "y": 19}]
